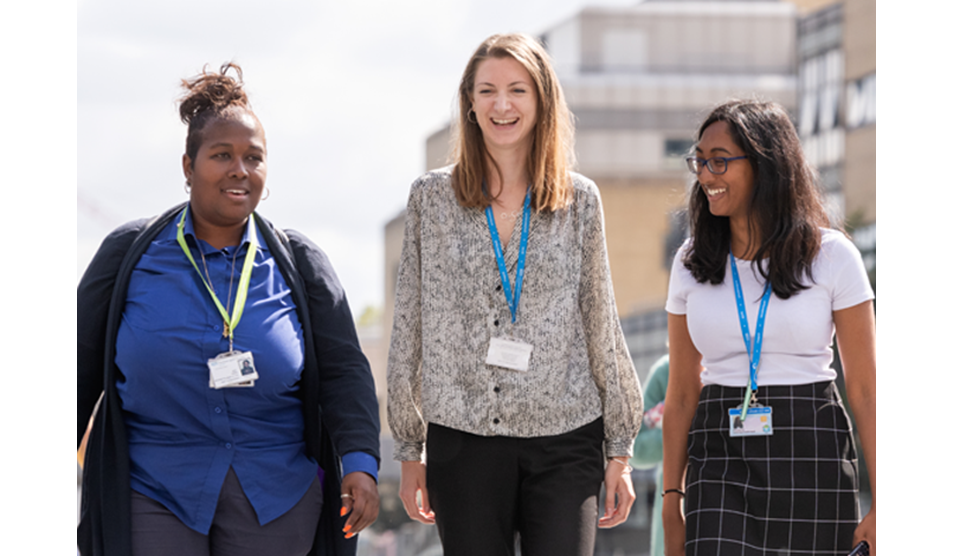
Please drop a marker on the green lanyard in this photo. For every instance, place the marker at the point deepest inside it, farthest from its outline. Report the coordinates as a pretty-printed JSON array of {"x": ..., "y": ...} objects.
[{"x": 242, "y": 294}]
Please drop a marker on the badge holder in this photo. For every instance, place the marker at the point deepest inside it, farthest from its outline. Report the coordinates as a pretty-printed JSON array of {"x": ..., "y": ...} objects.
[
  {"x": 232, "y": 369},
  {"x": 757, "y": 422},
  {"x": 750, "y": 418},
  {"x": 509, "y": 354}
]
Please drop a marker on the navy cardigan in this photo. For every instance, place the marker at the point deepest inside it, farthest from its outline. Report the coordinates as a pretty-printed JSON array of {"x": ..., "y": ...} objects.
[{"x": 337, "y": 388}]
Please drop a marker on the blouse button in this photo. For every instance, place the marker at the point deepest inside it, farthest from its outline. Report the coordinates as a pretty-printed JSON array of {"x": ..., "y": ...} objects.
[
  {"x": 496, "y": 421},
  {"x": 499, "y": 287},
  {"x": 496, "y": 389},
  {"x": 496, "y": 322}
]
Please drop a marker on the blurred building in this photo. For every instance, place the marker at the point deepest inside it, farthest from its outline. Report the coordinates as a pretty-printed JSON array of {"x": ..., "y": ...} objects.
[
  {"x": 640, "y": 80},
  {"x": 837, "y": 109}
]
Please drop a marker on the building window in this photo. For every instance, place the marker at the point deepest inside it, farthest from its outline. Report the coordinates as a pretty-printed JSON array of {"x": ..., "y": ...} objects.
[{"x": 676, "y": 151}]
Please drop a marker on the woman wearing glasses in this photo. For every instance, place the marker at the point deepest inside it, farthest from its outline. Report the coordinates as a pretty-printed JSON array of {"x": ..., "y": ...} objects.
[{"x": 756, "y": 440}]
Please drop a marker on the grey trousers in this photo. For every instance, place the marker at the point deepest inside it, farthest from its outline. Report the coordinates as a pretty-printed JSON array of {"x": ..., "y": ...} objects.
[{"x": 235, "y": 530}]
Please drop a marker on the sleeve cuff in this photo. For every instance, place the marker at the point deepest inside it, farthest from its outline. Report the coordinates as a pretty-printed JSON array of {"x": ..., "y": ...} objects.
[
  {"x": 359, "y": 461},
  {"x": 618, "y": 448},
  {"x": 408, "y": 451}
]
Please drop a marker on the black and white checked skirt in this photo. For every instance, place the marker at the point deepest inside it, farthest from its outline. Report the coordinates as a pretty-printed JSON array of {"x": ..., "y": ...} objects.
[{"x": 795, "y": 492}]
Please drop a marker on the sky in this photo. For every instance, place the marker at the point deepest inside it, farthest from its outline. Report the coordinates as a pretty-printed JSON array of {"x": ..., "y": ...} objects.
[{"x": 347, "y": 93}]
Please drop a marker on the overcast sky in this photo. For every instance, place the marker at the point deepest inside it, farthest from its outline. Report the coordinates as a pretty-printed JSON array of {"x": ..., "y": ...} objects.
[{"x": 347, "y": 92}]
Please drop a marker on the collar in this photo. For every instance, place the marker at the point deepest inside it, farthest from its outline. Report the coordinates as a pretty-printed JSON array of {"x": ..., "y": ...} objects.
[{"x": 188, "y": 230}]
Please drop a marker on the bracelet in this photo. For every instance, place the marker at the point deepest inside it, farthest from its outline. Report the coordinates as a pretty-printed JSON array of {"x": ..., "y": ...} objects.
[
  {"x": 627, "y": 468},
  {"x": 676, "y": 490}
]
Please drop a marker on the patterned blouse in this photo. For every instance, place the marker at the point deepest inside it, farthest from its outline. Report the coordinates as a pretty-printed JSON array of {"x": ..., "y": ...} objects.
[{"x": 450, "y": 303}]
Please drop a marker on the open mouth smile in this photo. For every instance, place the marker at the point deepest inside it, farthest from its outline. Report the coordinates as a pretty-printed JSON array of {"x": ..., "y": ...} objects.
[{"x": 504, "y": 122}]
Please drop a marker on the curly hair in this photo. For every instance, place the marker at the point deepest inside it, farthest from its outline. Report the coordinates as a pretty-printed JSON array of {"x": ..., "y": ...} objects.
[
  {"x": 209, "y": 96},
  {"x": 786, "y": 208}
]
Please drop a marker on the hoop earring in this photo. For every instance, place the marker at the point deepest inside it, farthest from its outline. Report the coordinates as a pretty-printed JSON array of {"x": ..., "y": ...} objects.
[
  {"x": 268, "y": 193},
  {"x": 469, "y": 112},
  {"x": 187, "y": 187}
]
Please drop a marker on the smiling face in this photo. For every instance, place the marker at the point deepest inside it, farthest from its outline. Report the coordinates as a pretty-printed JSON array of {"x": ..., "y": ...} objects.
[
  {"x": 729, "y": 194},
  {"x": 505, "y": 104},
  {"x": 227, "y": 175}
]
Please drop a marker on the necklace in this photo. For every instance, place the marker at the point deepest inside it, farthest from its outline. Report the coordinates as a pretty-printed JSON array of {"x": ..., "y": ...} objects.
[
  {"x": 228, "y": 303},
  {"x": 509, "y": 215}
]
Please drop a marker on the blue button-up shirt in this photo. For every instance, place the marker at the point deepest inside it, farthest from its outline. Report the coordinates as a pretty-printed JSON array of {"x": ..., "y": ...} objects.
[{"x": 183, "y": 435}]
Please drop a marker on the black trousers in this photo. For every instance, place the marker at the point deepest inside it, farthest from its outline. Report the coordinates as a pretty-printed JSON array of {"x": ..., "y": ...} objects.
[{"x": 486, "y": 490}]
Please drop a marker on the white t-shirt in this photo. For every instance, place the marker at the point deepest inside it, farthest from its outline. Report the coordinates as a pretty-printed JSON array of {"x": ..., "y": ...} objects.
[{"x": 796, "y": 347}]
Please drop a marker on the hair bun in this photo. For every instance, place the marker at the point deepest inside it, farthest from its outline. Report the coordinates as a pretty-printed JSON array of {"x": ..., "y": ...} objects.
[{"x": 211, "y": 92}]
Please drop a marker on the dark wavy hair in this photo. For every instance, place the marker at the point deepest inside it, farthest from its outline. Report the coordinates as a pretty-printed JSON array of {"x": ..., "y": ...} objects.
[
  {"x": 786, "y": 210},
  {"x": 210, "y": 96}
]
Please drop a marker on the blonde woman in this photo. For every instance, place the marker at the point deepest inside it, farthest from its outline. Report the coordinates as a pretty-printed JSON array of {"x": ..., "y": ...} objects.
[{"x": 507, "y": 359}]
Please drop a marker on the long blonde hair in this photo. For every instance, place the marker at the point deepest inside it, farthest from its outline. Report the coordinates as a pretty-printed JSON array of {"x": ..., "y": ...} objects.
[{"x": 551, "y": 153}]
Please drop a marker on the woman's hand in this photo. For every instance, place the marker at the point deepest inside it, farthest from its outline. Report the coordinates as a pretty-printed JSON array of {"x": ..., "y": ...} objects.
[
  {"x": 359, "y": 495},
  {"x": 866, "y": 531},
  {"x": 414, "y": 480},
  {"x": 674, "y": 525},
  {"x": 619, "y": 493}
]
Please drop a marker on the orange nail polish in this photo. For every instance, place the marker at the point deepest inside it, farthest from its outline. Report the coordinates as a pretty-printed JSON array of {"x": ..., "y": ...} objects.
[
  {"x": 347, "y": 528},
  {"x": 344, "y": 510},
  {"x": 349, "y": 535}
]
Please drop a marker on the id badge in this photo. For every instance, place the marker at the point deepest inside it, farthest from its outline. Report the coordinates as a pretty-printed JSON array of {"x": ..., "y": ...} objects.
[
  {"x": 758, "y": 421},
  {"x": 232, "y": 368},
  {"x": 509, "y": 354}
]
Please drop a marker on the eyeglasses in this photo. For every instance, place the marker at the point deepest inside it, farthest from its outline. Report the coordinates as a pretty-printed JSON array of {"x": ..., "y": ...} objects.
[{"x": 716, "y": 164}]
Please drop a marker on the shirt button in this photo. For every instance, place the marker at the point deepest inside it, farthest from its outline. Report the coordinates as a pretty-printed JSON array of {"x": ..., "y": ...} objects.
[
  {"x": 218, "y": 410},
  {"x": 496, "y": 421},
  {"x": 499, "y": 287},
  {"x": 496, "y": 322},
  {"x": 496, "y": 389},
  {"x": 228, "y": 445}
]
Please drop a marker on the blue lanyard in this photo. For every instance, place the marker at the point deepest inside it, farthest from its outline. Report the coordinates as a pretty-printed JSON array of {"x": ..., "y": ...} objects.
[
  {"x": 754, "y": 349},
  {"x": 513, "y": 296}
]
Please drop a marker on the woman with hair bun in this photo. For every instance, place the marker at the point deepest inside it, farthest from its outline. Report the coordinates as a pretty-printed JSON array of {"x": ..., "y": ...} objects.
[
  {"x": 222, "y": 351},
  {"x": 507, "y": 359},
  {"x": 757, "y": 442}
]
